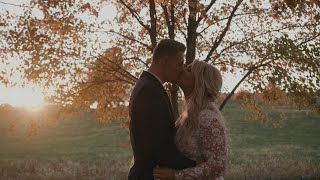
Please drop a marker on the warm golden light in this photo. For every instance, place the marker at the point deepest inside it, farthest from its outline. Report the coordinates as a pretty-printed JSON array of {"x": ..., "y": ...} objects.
[{"x": 22, "y": 97}]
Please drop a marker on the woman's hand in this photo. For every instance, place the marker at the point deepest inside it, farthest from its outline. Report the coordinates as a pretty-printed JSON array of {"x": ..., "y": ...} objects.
[{"x": 164, "y": 173}]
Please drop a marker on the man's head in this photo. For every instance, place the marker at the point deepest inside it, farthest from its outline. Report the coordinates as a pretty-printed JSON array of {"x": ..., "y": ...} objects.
[{"x": 168, "y": 56}]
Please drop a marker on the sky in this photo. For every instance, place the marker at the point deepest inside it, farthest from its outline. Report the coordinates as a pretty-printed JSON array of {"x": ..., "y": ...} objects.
[{"x": 31, "y": 95}]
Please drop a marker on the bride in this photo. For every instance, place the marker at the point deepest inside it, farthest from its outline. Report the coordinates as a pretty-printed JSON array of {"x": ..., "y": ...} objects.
[{"x": 201, "y": 131}]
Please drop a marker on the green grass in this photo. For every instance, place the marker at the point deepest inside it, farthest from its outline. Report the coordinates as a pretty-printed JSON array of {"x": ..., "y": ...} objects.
[
  {"x": 84, "y": 146},
  {"x": 80, "y": 140},
  {"x": 298, "y": 137}
]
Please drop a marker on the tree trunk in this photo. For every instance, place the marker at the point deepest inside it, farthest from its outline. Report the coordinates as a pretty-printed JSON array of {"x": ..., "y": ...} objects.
[
  {"x": 192, "y": 32},
  {"x": 191, "y": 50},
  {"x": 173, "y": 88},
  {"x": 153, "y": 28},
  {"x": 191, "y": 44}
]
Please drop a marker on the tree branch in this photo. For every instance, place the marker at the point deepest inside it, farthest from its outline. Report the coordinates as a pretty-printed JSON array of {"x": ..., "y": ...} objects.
[
  {"x": 167, "y": 18},
  {"x": 258, "y": 35},
  {"x": 130, "y": 38},
  {"x": 134, "y": 14},
  {"x": 153, "y": 29},
  {"x": 192, "y": 31},
  {"x": 253, "y": 68},
  {"x": 183, "y": 33},
  {"x": 206, "y": 10},
  {"x": 207, "y": 42},
  {"x": 172, "y": 18},
  {"x": 236, "y": 87},
  {"x": 129, "y": 75},
  {"x": 242, "y": 14},
  {"x": 308, "y": 40},
  {"x": 121, "y": 79},
  {"x": 15, "y": 4},
  {"x": 166, "y": 15},
  {"x": 140, "y": 60},
  {"x": 221, "y": 36},
  {"x": 144, "y": 3}
]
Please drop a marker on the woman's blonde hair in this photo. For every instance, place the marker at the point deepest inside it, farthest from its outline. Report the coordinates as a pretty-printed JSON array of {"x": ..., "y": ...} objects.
[{"x": 207, "y": 86}]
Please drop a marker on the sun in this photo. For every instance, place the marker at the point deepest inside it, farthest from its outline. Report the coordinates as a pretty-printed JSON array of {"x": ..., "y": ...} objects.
[{"x": 22, "y": 97}]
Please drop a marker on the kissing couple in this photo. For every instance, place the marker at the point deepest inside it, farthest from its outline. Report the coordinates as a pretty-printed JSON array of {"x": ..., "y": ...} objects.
[{"x": 190, "y": 147}]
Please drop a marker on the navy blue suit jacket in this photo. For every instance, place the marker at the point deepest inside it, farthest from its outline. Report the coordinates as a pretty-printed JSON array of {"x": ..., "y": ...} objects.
[{"x": 152, "y": 130}]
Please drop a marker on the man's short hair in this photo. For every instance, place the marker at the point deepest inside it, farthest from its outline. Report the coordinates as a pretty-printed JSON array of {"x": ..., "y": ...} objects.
[{"x": 167, "y": 47}]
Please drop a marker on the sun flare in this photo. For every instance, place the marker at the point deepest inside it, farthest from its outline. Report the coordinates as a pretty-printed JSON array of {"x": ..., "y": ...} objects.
[{"x": 22, "y": 97}]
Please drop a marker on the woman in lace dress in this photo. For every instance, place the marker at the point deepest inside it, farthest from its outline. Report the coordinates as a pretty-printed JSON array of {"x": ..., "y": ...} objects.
[{"x": 201, "y": 131}]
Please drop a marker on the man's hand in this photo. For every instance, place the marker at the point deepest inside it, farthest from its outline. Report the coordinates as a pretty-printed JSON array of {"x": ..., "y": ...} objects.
[
  {"x": 199, "y": 161},
  {"x": 164, "y": 173}
]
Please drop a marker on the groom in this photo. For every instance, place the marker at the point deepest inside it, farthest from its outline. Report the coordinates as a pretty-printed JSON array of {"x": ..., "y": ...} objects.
[{"x": 152, "y": 123}]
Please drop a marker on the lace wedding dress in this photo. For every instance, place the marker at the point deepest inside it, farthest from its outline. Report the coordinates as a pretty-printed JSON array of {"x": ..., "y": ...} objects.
[{"x": 208, "y": 142}]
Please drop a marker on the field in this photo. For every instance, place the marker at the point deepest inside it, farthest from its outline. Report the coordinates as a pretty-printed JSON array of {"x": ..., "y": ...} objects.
[{"x": 83, "y": 149}]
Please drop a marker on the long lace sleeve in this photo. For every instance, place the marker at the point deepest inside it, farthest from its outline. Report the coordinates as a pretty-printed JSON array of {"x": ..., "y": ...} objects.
[{"x": 212, "y": 142}]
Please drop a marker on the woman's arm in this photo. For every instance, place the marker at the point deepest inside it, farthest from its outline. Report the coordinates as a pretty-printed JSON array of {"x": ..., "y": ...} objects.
[{"x": 212, "y": 142}]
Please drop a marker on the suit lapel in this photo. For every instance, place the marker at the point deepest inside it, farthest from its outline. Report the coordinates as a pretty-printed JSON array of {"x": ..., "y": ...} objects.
[
  {"x": 156, "y": 81},
  {"x": 169, "y": 103}
]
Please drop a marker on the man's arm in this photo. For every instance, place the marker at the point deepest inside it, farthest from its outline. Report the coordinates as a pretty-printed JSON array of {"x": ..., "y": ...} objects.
[{"x": 153, "y": 132}]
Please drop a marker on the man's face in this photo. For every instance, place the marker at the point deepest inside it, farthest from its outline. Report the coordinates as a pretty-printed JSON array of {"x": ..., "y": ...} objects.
[
  {"x": 174, "y": 67},
  {"x": 186, "y": 80}
]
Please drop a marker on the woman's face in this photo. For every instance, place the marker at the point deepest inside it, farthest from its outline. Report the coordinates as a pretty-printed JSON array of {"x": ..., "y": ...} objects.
[{"x": 186, "y": 79}]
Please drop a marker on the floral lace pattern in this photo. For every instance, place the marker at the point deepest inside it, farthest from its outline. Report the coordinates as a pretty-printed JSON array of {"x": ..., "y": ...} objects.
[{"x": 208, "y": 142}]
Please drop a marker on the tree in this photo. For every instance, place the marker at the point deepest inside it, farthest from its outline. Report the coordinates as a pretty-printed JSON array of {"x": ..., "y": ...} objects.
[
  {"x": 211, "y": 31},
  {"x": 266, "y": 41}
]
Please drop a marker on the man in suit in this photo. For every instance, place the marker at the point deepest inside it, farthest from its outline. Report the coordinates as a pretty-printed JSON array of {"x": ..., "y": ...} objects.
[{"x": 152, "y": 123}]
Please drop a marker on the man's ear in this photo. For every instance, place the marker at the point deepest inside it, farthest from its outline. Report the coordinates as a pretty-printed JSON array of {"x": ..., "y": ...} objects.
[{"x": 164, "y": 60}]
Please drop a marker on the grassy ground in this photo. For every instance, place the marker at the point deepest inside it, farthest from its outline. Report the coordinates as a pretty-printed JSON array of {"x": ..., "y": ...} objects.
[
  {"x": 80, "y": 141},
  {"x": 84, "y": 149},
  {"x": 260, "y": 151}
]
